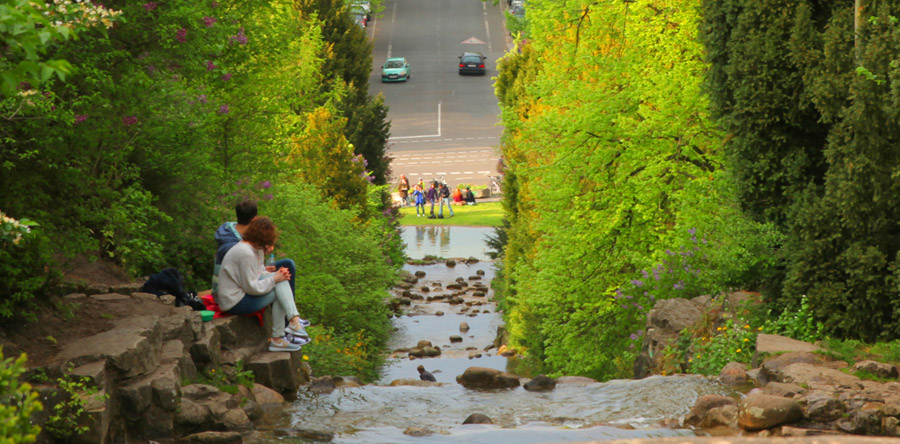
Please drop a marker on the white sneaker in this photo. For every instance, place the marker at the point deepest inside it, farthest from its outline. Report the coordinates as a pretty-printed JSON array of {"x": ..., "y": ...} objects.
[
  {"x": 296, "y": 329},
  {"x": 282, "y": 345}
]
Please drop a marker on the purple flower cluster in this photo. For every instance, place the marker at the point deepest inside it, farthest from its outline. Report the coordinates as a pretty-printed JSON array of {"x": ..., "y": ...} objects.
[
  {"x": 223, "y": 109},
  {"x": 181, "y": 35},
  {"x": 265, "y": 184},
  {"x": 202, "y": 99},
  {"x": 129, "y": 120},
  {"x": 149, "y": 6},
  {"x": 80, "y": 118},
  {"x": 226, "y": 77},
  {"x": 209, "y": 21},
  {"x": 210, "y": 65},
  {"x": 240, "y": 38}
]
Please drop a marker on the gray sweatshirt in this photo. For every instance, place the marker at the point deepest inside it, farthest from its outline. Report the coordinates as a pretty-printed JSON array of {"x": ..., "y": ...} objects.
[{"x": 240, "y": 274}]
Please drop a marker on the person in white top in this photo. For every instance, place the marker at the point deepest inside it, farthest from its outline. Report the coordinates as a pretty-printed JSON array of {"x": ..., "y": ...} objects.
[{"x": 245, "y": 286}]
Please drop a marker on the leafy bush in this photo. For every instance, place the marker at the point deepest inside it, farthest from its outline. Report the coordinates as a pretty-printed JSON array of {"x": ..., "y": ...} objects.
[
  {"x": 23, "y": 251},
  {"x": 735, "y": 341},
  {"x": 227, "y": 379},
  {"x": 342, "y": 354},
  {"x": 66, "y": 419},
  {"x": 796, "y": 323},
  {"x": 343, "y": 270},
  {"x": 18, "y": 404}
]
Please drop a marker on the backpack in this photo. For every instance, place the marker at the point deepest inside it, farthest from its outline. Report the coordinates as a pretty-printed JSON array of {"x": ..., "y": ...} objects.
[
  {"x": 170, "y": 281},
  {"x": 445, "y": 192}
]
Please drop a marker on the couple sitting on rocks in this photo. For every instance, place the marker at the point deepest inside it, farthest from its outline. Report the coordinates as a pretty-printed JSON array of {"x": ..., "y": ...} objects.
[{"x": 243, "y": 284}]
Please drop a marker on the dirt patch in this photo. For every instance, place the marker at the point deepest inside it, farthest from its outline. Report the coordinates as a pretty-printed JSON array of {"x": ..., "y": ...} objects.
[{"x": 57, "y": 324}]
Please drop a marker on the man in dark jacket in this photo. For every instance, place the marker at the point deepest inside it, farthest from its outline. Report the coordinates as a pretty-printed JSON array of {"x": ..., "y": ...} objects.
[
  {"x": 445, "y": 198},
  {"x": 431, "y": 196}
]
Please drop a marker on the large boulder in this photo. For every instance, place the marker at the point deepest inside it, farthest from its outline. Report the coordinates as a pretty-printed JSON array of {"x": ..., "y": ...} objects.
[
  {"x": 760, "y": 411},
  {"x": 734, "y": 374},
  {"x": 879, "y": 369},
  {"x": 541, "y": 383},
  {"x": 486, "y": 378},
  {"x": 697, "y": 416}
]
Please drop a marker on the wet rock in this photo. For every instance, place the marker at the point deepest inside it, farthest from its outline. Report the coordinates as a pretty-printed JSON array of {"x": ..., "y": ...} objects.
[
  {"x": 760, "y": 411},
  {"x": 505, "y": 351},
  {"x": 455, "y": 339},
  {"x": 439, "y": 313},
  {"x": 463, "y": 327},
  {"x": 480, "y": 272},
  {"x": 437, "y": 285},
  {"x": 473, "y": 314},
  {"x": 212, "y": 438},
  {"x": 475, "y": 355},
  {"x": 770, "y": 370},
  {"x": 424, "y": 289},
  {"x": 306, "y": 434},
  {"x": 406, "y": 294},
  {"x": 474, "y": 278},
  {"x": 454, "y": 287},
  {"x": 789, "y": 432},
  {"x": 861, "y": 422},
  {"x": 734, "y": 374},
  {"x": 416, "y": 352},
  {"x": 450, "y": 263},
  {"x": 702, "y": 407},
  {"x": 266, "y": 396},
  {"x": 431, "y": 352},
  {"x": 322, "y": 385},
  {"x": 478, "y": 418},
  {"x": 414, "y": 383},
  {"x": 876, "y": 368},
  {"x": 347, "y": 382},
  {"x": 420, "y": 274},
  {"x": 479, "y": 294},
  {"x": 541, "y": 383},
  {"x": 822, "y": 408},
  {"x": 782, "y": 389},
  {"x": 424, "y": 343},
  {"x": 455, "y": 300},
  {"x": 721, "y": 417},
  {"x": 417, "y": 432},
  {"x": 486, "y": 378},
  {"x": 471, "y": 260}
]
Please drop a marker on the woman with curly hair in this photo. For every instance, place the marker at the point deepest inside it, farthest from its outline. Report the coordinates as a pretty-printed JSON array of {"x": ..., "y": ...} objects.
[{"x": 246, "y": 286}]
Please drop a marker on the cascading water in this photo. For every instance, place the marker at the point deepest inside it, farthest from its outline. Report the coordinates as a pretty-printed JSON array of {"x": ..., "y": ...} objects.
[{"x": 573, "y": 412}]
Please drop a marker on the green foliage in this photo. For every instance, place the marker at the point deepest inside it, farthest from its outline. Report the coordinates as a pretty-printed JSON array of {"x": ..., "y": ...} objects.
[
  {"x": 227, "y": 379},
  {"x": 22, "y": 251},
  {"x": 795, "y": 323},
  {"x": 20, "y": 402},
  {"x": 67, "y": 418},
  {"x": 735, "y": 341},
  {"x": 343, "y": 354},
  {"x": 343, "y": 266}
]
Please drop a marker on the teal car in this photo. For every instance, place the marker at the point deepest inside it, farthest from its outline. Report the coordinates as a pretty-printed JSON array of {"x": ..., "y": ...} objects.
[{"x": 395, "y": 69}]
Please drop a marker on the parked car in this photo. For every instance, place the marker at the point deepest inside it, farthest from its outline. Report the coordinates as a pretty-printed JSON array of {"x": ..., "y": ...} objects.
[
  {"x": 360, "y": 18},
  {"x": 395, "y": 69},
  {"x": 517, "y": 9},
  {"x": 362, "y": 5},
  {"x": 471, "y": 63}
]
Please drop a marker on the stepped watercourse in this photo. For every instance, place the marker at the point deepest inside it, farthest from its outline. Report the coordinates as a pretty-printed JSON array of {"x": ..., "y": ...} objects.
[{"x": 572, "y": 412}]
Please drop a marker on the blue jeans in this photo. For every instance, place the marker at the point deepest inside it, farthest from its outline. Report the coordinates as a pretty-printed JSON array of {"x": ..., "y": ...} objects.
[
  {"x": 441, "y": 210},
  {"x": 289, "y": 264},
  {"x": 283, "y": 306},
  {"x": 422, "y": 206}
]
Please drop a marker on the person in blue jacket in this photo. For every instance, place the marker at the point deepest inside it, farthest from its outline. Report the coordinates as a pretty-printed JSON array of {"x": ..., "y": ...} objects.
[{"x": 419, "y": 198}]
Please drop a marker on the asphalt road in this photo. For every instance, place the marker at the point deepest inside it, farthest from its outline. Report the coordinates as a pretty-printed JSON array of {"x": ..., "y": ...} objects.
[{"x": 442, "y": 123}]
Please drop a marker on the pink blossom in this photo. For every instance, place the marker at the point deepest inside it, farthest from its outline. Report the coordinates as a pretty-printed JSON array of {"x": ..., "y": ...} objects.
[
  {"x": 80, "y": 118},
  {"x": 226, "y": 77},
  {"x": 181, "y": 35},
  {"x": 210, "y": 65},
  {"x": 223, "y": 109},
  {"x": 214, "y": 4},
  {"x": 209, "y": 21},
  {"x": 149, "y": 6},
  {"x": 129, "y": 120},
  {"x": 265, "y": 184}
]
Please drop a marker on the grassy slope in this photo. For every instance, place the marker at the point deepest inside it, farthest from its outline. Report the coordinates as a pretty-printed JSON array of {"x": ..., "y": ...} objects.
[{"x": 482, "y": 214}]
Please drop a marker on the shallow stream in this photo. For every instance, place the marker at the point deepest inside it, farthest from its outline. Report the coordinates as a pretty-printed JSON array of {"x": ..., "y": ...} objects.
[{"x": 572, "y": 412}]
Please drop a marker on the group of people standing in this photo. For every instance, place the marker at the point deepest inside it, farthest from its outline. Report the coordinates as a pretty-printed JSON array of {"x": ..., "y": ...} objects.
[{"x": 438, "y": 192}]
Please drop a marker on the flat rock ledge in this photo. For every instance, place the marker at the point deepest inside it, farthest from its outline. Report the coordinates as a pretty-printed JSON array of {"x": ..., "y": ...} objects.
[
  {"x": 140, "y": 368},
  {"x": 749, "y": 440},
  {"x": 792, "y": 393}
]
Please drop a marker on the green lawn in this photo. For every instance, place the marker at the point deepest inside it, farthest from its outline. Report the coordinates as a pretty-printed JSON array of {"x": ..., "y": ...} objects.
[{"x": 482, "y": 214}]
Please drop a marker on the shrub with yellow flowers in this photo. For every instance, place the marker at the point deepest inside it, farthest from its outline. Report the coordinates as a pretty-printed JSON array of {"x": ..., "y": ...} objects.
[
  {"x": 348, "y": 354},
  {"x": 734, "y": 341}
]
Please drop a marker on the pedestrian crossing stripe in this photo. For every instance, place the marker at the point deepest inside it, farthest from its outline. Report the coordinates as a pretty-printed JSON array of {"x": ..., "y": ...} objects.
[{"x": 472, "y": 41}]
